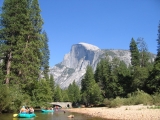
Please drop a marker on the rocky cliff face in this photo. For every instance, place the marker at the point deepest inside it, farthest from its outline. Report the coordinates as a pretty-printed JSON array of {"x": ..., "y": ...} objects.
[{"x": 74, "y": 64}]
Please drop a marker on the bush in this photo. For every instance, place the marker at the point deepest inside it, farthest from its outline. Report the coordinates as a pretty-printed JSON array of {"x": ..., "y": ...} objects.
[
  {"x": 156, "y": 99},
  {"x": 140, "y": 97},
  {"x": 117, "y": 102},
  {"x": 5, "y": 99},
  {"x": 107, "y": 102},
  {"x": 135, "y": 98}
]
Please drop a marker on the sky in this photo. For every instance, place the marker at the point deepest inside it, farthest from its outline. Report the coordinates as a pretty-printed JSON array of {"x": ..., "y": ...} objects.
[{"x": 107, "y": 24}]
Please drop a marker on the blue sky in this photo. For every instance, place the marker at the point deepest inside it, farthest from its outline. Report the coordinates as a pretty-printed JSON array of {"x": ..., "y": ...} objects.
[{"x": 107, "y": 24}]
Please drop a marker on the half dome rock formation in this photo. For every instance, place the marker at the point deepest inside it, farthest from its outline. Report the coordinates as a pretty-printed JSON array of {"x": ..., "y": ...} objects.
[{"x": 74, "y": 64}]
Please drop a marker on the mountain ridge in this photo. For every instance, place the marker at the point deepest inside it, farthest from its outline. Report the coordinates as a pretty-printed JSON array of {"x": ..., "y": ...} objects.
[{"x": 74, "y": 63}]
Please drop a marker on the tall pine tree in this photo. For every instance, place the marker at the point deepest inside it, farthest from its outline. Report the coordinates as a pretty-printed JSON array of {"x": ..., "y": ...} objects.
[
  {"x": 52, "y": 85},
  {"x": 35, "y": 43},
  {"x": 102, "y": 74},
  {"x": 143, "y": 51},
  {"x": 134, "y": 53},
  {"x": 20, "y": 35},
  {"x": 124, "y": 78},
  {"x": 14, "y": 32},
  {"x": 88, "y": 85},
  {"x": 74, "y": 92},
  {"x": 153, "y": 83},
  {"x": 45, "y": 56},
  {"x": 58, "y": 94}
]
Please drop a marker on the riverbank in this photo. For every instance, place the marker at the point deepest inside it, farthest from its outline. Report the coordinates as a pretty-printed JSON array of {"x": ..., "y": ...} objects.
[{"x": 135, "y": 112}]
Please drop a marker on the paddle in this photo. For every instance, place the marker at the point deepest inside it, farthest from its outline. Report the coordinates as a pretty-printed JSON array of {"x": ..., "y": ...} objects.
[{"x": 15, "y": 115}]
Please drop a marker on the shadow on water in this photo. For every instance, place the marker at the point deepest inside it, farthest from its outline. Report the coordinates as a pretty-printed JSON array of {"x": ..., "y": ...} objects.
[{"x": 57, "y": 115}]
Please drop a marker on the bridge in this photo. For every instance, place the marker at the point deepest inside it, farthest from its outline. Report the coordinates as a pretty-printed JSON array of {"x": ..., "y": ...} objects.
[{"x": 62, "y": 104}]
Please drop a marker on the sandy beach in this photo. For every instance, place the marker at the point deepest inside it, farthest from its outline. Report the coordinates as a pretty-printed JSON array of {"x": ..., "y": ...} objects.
[{"x": 135, "y": 112}]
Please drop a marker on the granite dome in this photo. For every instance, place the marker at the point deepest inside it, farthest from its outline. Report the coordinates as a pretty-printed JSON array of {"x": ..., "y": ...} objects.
[{"x": 89, "y": 46}]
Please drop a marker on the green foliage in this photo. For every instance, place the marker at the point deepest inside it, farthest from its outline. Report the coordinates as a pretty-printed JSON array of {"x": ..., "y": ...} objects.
[
  {"x": 107, "y": 102},
  {"x": 140, "y": 75},
  {"x": 135, "y": 61},
  {"x": 12, "y": 34},
  {"x": 74, "y": 93},
  {"x": 158, "y": 41},
  {"x": 58, "y": 97},
  {"x": 88, "y": 88},
  {"x": 141, "y": 65},
  {"x": 135, "y": 98},
  {"x": 65, "y": 96},
  {"x": 20, "y": 35},
  {"x": 117, "y": 102},
  {"x": 113, "y": 78},
  {"x": 12, "y": 98},
  {"x": 96, "y": 95},
  {"x": 45, "y": 55},
  {"x": 40, "y": 98},
  {"x": 154, "y": 107},
  {"x": 88, "y": 80},
  {"x": 5, "y": 100},
  {"x": 140, "y": 97},
  {"x": 71, "y": 92},
  {"x": 124, "y": 78},
  {"x": 23, "y": 49},
  {"x": 156, "y": 99},
  {"x": 52, "y": 86},
  {"x": 113, "y": 87},
  {"x": 102, "y": 74},
  {"x": 24, "y": 54},
  {"x": 153, "y": 82},
  {"x": 143, "y": 52}
]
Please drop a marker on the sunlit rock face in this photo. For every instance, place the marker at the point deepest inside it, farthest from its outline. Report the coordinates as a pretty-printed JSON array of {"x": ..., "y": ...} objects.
[
  {"x": 74, "y": 64},
  {"x": 81, "y": 55}
]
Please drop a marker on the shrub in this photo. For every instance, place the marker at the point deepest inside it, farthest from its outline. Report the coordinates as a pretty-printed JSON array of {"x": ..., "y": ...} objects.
[
  {"x": 156, "y": 99},
  {"x": 135, "y": 98},
  {"x": 117, "y": 102},
  {"x": 107, "y": 102},
  {"x": 139, "y": 97}
]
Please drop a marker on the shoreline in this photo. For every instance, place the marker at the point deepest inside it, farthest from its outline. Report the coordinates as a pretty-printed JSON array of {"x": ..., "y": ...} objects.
[{"x": 133, "y": 112}]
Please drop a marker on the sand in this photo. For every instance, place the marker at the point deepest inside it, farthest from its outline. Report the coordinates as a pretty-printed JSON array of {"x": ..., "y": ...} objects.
[{"x": 135, "y": 112}]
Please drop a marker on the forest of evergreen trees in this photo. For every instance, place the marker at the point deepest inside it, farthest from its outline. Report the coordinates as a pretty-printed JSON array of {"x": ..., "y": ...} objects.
[{"x": 24, "y": 63}]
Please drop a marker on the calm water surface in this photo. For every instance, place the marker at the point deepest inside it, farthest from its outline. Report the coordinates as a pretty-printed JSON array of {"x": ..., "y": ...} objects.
[{"x": 60, "y": 115}]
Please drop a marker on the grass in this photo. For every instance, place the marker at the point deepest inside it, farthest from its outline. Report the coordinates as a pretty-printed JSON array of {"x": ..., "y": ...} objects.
[{"x": 154, "y": 107}]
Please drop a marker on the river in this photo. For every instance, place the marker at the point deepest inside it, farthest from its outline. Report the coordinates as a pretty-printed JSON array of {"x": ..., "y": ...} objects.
[{"x": 60, "y": 115}]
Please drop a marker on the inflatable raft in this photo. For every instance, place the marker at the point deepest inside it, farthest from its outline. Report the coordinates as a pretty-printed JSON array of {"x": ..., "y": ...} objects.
[
  {"x": 25, "y": 115},
  {"x": 46, "y": 111}
]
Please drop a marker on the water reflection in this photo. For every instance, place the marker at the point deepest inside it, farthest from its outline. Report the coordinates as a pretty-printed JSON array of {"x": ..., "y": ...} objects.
[
  {"x": 57, "y": 115},
  {"x": 23, "y": 118}
]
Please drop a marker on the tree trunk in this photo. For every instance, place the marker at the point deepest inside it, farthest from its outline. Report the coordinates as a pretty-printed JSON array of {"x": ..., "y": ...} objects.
[{"x": 8, "y": 67}]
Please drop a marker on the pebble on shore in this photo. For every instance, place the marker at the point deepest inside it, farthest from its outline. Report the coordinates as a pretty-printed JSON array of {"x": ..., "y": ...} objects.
[{"x": 135, "y": 112}]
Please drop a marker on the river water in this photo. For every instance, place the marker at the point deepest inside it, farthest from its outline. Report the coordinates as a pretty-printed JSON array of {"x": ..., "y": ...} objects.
[{"x": 60, "y": 115}]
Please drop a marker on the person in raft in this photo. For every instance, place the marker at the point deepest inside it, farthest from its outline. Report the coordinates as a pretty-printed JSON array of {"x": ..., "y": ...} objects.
[
  {"x": 23, "y": 110},
  {"x": 31, "y": 110},
  {"x": 27, "y": 109}
]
